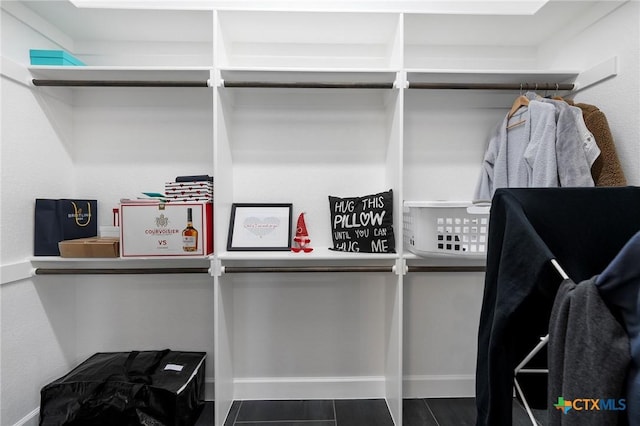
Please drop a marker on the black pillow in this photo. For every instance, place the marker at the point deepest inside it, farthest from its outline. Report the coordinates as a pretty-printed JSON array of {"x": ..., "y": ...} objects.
[{"x": 363, "y": 224}]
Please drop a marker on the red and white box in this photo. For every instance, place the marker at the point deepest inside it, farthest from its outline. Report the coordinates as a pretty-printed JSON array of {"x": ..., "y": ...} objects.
[
  {"x": 156, "y": 229},
  {"x": 195, "y": 191}
]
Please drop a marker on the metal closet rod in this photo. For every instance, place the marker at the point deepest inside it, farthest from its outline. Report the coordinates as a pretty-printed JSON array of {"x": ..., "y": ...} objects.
[
  {"x": 249, "y": 269},
  {"x": 281, "y": 269},
  {"x": 441, "y": 86},
  {"x": 119, "y": 83},
  {"x": 493, "y": 86},
  {"x": 244, "y": 269},
  {"x": 306, "y": 85},
  {"x": 303, "y": 85},
  {"x": 225, "y": 269},
  {"x": 414, "y": 268}
]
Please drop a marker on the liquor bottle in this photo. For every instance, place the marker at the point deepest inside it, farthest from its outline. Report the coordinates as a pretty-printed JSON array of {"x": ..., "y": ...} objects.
[{"x": 190, "y": 234}]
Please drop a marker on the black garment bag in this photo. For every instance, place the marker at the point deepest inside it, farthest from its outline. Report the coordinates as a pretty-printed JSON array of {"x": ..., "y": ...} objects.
[{"x": 151, "y": 388}]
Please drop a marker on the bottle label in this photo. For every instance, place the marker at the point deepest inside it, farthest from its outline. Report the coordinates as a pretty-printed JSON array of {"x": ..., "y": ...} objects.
[{"x": 189, "y": 241}]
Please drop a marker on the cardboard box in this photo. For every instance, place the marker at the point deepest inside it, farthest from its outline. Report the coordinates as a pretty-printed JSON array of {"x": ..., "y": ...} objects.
[
  {"x": 53, "y": 57},
  {"x": 109, "y": 231},
  {"x": 90, "y": 247},
  {"x": 155, "y": 229}
]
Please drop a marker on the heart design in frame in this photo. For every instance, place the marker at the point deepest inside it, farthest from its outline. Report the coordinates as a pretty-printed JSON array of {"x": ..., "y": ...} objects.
[{"x": 261, "y": 227}]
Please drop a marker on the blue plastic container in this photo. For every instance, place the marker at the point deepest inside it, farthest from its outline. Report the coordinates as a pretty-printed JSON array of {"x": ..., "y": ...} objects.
[{"x": 53, "y": 57}]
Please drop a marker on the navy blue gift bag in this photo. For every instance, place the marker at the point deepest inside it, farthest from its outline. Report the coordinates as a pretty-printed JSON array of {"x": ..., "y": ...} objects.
[{"x": 62, "y": 219}]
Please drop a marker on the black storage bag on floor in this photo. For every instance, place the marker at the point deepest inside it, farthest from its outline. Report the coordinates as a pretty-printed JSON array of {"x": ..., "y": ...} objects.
[{"x": 158, "y": 388}]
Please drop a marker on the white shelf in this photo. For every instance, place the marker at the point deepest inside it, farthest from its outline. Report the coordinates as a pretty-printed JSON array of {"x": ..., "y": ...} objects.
[
  {"x": 119, "y": 262},
  {"x": 420, "y": 75},
  {"x": 291, "y": 75},
  {"x": 442, "y": 260}
]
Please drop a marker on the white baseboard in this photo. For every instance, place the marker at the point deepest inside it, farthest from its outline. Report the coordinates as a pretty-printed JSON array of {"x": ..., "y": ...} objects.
[
  {"x": 414, "y": 386},
  {"x": 439, "y": 386},
  {"x": 309, "y": 388}
]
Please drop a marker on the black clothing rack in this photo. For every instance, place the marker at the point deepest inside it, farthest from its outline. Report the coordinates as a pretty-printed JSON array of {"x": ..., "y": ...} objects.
[{"x": 529, "y": 228}]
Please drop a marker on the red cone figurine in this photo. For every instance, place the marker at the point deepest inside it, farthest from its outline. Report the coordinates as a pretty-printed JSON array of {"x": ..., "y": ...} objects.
[{"x": 302, "y": 237}]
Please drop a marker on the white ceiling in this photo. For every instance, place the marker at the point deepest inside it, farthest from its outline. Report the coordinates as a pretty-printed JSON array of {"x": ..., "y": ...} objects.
[{"x": 426, "y": 6}]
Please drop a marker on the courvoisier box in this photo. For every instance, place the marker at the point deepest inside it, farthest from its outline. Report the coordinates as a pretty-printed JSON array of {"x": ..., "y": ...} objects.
[{"x": 156, "y": 229}]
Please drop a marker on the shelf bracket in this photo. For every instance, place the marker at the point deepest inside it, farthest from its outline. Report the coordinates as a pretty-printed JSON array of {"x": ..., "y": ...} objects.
[
  {"x": 216, "y": 267},
  {"x": 400, "y": 268}
]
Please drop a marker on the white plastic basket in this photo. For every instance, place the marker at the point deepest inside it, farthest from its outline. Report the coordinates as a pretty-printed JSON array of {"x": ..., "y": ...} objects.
[{"x": 446, "y": 228}]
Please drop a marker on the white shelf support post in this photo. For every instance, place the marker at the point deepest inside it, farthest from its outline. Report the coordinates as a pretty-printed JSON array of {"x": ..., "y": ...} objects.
[
  {"x": 401, "y": 268},
  {"x": 216, "y": 269},
  {"x": 597, "y": 74}
]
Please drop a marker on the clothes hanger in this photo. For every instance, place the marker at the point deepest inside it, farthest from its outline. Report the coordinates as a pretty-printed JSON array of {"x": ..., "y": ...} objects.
[
  {"x": 518, "y": 103},
  {"x": 555, "y": 96}
]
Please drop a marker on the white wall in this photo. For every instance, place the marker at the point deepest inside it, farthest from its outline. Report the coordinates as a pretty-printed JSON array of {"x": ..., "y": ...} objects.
[
  {"x": 57, "y": 144},
  {"x": 37, "y": 143},
  {"x": 617, "y": 34},
  {"x": 37, "y": 336},
  {"x": 38, "y": 341}
]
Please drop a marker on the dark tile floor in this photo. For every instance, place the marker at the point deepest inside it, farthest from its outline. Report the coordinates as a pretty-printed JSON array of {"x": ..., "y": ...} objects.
[{"x": 358, "y": 412}]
